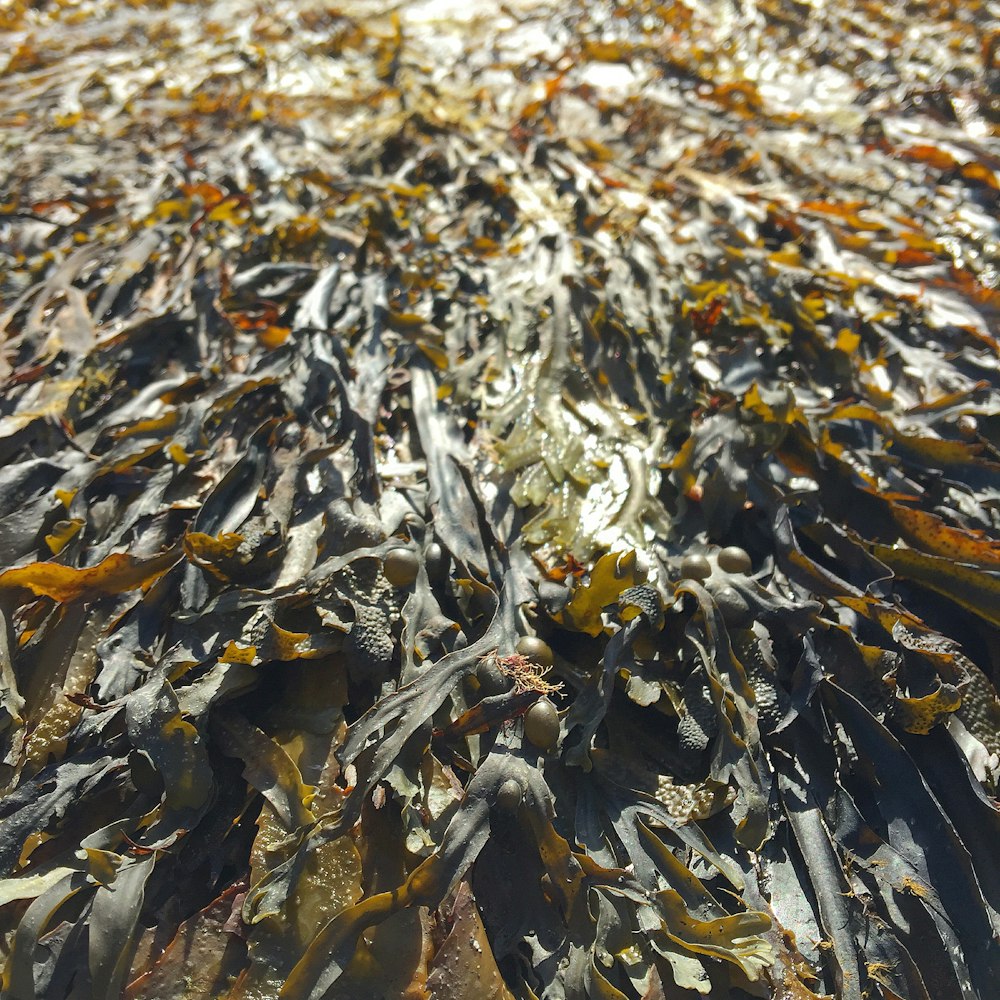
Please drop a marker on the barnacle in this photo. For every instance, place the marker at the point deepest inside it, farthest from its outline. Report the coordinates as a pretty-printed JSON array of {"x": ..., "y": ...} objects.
[
  {"x": 363, "y": 577},
  {"x": 693, "y": 801}
]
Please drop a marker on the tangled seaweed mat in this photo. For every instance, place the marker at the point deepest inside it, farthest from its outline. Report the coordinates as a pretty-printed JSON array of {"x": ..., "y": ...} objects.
[{"x": 358, "y": 365}]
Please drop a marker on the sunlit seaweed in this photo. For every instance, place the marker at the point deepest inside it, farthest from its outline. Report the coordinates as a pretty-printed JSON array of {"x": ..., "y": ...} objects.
[{"x": 499, "y": 501}]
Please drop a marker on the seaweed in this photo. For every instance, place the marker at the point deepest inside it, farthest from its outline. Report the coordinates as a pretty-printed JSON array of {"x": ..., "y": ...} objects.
[{"x": 499, "y": 501}]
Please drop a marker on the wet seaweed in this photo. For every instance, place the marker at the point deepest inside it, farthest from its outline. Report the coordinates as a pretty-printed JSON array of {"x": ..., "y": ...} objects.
[{"x": 499, "y": 502}]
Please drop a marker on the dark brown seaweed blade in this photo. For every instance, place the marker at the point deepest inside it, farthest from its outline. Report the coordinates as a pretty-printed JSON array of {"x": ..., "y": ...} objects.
[{"x": 499, "y": 500}]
